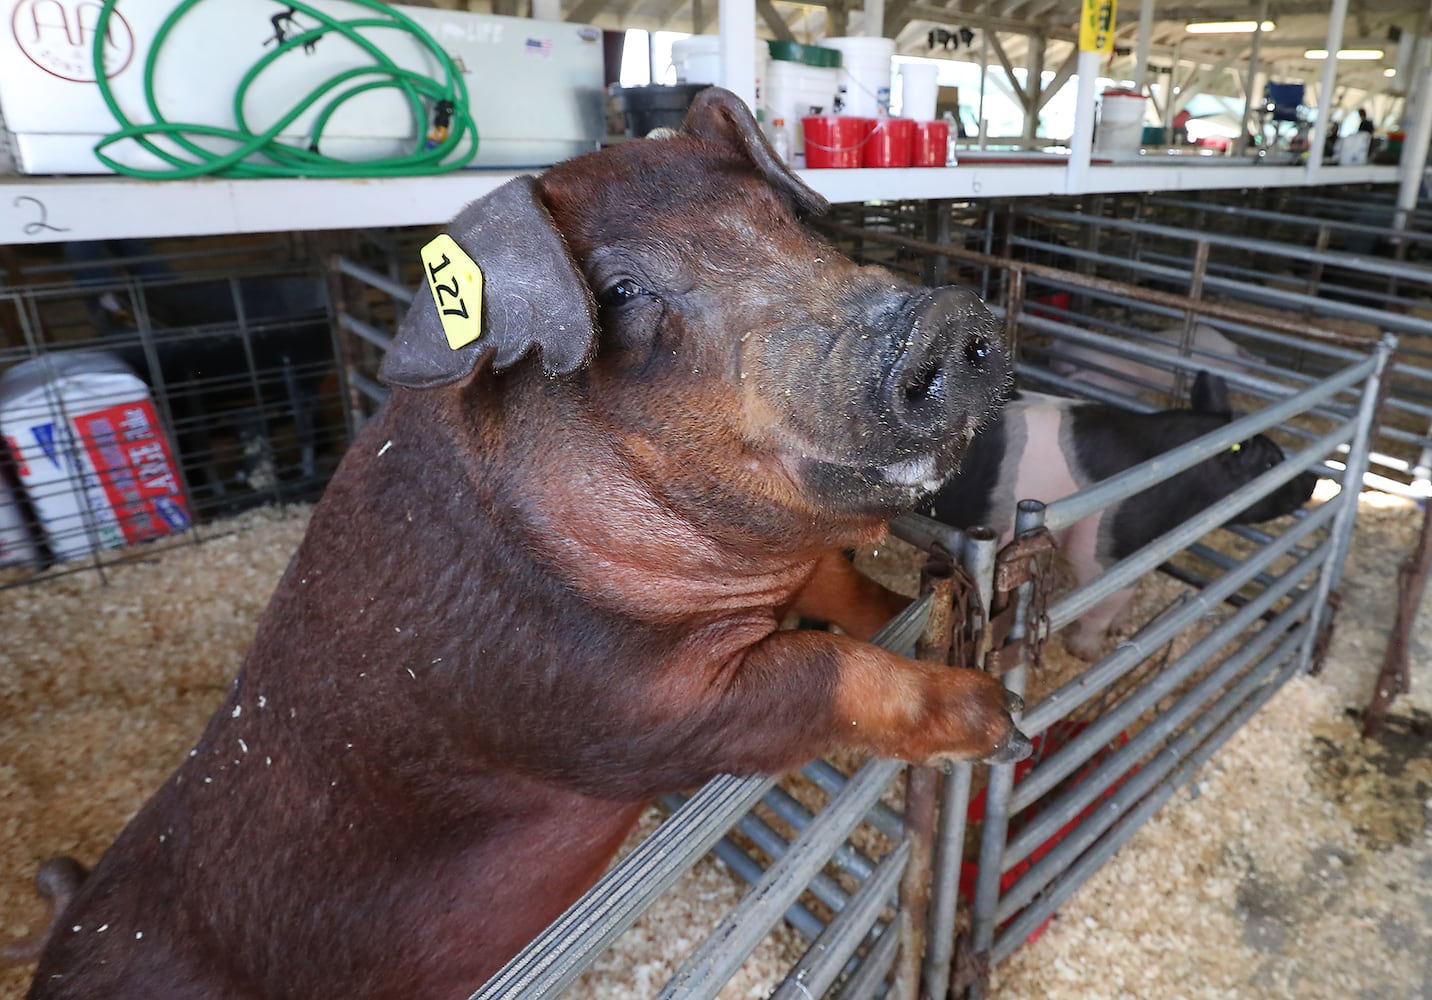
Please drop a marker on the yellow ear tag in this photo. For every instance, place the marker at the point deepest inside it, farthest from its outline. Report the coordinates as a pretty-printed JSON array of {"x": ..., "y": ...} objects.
[
  {"x": 1237, "y": 448},
  {"x": 456, "y": 284}
]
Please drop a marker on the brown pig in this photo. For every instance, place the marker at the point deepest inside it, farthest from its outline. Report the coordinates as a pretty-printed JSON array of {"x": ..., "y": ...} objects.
[{"x": 544, "y": 586}]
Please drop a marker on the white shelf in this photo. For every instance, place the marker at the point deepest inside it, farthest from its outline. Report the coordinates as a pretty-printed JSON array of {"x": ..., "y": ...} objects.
[{"x": 55, "y": 209}]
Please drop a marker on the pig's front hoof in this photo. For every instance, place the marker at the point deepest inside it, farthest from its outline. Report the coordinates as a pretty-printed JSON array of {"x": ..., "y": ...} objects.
[{"x": 1014, "y": 747}]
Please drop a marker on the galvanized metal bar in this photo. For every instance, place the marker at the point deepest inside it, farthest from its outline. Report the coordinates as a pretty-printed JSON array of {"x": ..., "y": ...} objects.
[
  {"x": 978, "y": 560},
  {"x": 900, "y": 633},
  {"x": 937, "y": 578},
  {"x": 1121, "y": 762},
  {"x": 1132, "y": 651},
  {"x": 1133, "y": 293},
  {"x": 1130, "y": 569},
  {"x": 790, "y": 809},
  {"x": 830, "y": 780},
  {"x": 342, "y": 356},
  {"x": 1235, "y": 372},
  {"x": 1029, "y": 517},
  {"x": 1341, "y": 349},
  {"x": 923, "y": 532},
  {"x": 830, "y": 953},
  {"x": 806, "y": 923},
  {"x": 1021, "y": 926},
  {"x": 555, "y": 959},
  {"x": 1376, "y": 266},
  {"x": 380, "y": 339},
  {"x": 868, "y": 979},
  {"x": 1045, "y": 377},
  {"x": 381, "y": 282},
  {"x": 1249, "y": 327},
  {"x": 560, "y": 954},
  {"x": 1052, "y": 770},
  {"x": 1356, "y": 469},
  {"x": 1329, "y": 289},
  {"x": 1243, "y": 213},
  {"x": 718, "y": 957},
  {"x": 367, "y": 386},
  {"x": 1078, "y": 506},
  {"x": 822, "y": 887},
  {"x": 1295, "y": 302}
]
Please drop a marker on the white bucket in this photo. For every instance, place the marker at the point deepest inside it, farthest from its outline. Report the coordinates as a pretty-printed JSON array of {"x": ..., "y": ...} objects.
[
  {"x": 919, "y": 90},
  {"x": 90, "y": 452},
  {"x": 697, "y": 59},
  {"x": 795, "y": 91},
  {"x": 1121, "y": 122},
  {"x": 865, "y": 65}
]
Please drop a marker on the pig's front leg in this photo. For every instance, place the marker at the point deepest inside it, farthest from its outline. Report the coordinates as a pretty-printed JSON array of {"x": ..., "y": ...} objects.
[
  {"x": 1087, "y": 637},
  {"x": 797, "y": 695},
  {"x": 840, "y": 594},
  {"x": 1089, "y": 555}
]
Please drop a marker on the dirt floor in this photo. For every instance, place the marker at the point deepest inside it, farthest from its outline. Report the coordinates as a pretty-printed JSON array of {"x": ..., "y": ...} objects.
[{"x": 1298, "y": 865}]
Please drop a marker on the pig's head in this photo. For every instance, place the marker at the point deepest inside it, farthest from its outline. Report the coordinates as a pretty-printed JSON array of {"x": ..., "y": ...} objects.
[
  {"x": 1247, "y": 460},
  {"x": 672, "y": 283}
]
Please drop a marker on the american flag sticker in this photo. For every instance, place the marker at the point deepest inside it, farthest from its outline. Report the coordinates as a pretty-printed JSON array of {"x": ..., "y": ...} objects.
[{"x": 541, "y": 48}]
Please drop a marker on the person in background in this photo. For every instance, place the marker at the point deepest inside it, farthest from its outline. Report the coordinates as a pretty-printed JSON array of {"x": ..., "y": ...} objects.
[{"x": 1364, "y": 123}]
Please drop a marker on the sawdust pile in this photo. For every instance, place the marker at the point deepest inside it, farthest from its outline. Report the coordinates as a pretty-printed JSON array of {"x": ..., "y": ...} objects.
[{"x": 1298, "y": 865}]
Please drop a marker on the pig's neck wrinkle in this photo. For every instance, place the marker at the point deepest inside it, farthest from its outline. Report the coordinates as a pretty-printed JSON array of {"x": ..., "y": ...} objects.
[{"x": 623, "y": 547}]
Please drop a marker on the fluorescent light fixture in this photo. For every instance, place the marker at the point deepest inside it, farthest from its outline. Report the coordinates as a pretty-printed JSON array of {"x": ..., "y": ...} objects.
[
  {"x": 1389, "y": 72},
  {"x": 1227, "y": 27},
  {"x": 1367, "y": 55}
]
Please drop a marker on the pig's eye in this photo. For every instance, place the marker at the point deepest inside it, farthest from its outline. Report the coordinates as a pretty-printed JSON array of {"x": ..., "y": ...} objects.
[{"x": 624, "y": 291}]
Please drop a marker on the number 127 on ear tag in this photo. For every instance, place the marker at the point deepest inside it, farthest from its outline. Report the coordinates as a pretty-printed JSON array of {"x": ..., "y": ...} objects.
[{"x": 456, "y": 284}]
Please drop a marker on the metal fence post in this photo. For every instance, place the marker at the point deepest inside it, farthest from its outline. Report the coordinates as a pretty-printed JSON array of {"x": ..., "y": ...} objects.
[
  {"x": 941, "y": 954},
  {"x": 1341, "y": 534},
  {"x": 1029, "y": 518},
  {"x": 921, "y": 787}
]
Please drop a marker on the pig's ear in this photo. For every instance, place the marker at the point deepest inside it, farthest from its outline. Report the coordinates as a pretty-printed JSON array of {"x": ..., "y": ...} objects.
[
  {"x": 531, "y": 296},
  {"x": 721, "y": 116},
  {"x": 1210, "y": 395}
]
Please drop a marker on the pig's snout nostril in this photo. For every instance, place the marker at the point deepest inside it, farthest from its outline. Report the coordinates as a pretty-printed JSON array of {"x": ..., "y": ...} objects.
[
  {"x": 946, "y": 364},
  {"x": 925, "y": 382},
  {"x": 977, "y": 350}
]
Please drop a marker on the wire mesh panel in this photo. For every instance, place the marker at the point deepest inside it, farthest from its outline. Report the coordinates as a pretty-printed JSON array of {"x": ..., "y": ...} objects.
[{"x": 144, "y": 389}]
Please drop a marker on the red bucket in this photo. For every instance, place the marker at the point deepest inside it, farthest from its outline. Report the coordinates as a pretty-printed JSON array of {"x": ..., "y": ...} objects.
[
  {"x": 932, "y": 144},
  {"x": 834, "y": 140},
  {"x": 891, "y": 143}
]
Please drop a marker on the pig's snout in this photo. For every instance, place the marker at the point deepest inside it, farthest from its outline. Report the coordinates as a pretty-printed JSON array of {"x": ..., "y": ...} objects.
[{"x": 950, "y": 368}]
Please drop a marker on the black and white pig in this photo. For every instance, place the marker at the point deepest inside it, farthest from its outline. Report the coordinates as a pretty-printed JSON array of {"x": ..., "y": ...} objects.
[{"x": 1048, "y": 447}]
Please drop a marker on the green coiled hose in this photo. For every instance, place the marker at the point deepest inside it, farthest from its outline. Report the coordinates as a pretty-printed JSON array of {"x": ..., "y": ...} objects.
[{"x": 440, "y": 146}]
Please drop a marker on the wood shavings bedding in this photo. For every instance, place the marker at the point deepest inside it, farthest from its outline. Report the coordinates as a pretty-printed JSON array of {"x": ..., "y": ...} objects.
[{"x": 1298, "y": 865}]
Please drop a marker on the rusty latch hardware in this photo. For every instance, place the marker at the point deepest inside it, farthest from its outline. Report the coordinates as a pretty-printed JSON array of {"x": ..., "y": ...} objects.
[{"x": 1025, "y": 560}]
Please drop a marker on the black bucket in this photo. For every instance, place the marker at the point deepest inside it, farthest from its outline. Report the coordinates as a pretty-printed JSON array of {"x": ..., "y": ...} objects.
[{"x": 656, "y": 105}]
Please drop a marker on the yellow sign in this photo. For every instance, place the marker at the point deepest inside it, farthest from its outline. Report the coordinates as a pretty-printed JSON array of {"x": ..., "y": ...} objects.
[
  {"x": 456, "y": 284},
  {"x": 1096, "y": 26}
]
